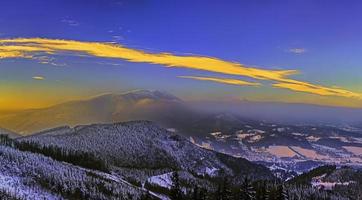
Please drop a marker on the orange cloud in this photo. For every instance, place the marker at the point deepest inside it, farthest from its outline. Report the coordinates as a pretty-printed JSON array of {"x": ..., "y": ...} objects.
[
  {"x": 28, "y": 47},
  {"x": 222, "y": 80},
  {"x": 319, "y": 90}
]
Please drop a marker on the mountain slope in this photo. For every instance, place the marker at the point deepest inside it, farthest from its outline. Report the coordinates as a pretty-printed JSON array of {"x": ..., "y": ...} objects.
[
  {"x": 25, "y": 175},
  {"x": 11, "y": 134},
  {"x": 345, "y": 181},
  {"x": 145, "y": 145},
  {"x": 139, "y": 104}
]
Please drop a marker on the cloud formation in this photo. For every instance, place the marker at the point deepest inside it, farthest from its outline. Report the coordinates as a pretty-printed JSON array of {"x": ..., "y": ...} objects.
[
  {"x": 70, "y": 22},
  {"x": 319, "y": 90},
  {"x": 297, "y": 50},
  {"x": 30, "y": 47},
  {"x": 39, "y": 78},
  {"x": 222, "y": 80}
]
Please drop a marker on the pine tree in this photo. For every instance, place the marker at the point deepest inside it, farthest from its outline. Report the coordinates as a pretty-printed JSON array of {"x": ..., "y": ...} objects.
[
  {"x": 203, "y": 194},
  {"x": 146, "y": 196},
  {"x": 261, "y": 191},
  {"x": 279, "y": 192},
  {"x": 272, "y": 193},
  {"x": 195, "y": 193},
  {"x": 176, "y": 193},
  {"x": 247, "y": 191},
  {"x": 226, "y": 190},
  {"x": 218, "y": 194}
]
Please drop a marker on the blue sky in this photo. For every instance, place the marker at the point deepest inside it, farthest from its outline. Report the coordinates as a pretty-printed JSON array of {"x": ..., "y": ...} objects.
[{"x": 320, "y": 39}]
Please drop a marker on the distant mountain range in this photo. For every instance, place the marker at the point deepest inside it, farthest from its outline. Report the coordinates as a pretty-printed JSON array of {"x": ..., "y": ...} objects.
[
  {"x": 282, "y": 146},
  {"x": 11, "y": 134},
  {"x": 189, "y": 118},
  {"x": 107, "y": 108}
]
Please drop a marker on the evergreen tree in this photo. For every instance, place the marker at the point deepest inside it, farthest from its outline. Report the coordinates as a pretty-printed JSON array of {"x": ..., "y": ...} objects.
[
  {"x": 226, "y": 193},
  {"x": 195, "y": 193},
  {"x": 146, "y": 196},
  {"x": 261, "y": 191},
  {"x": 247, "y": 191},
  {"x": 202, "y": 194},
  {"x": 281, "y": 194},
  {"x": 176, "y": 193}
]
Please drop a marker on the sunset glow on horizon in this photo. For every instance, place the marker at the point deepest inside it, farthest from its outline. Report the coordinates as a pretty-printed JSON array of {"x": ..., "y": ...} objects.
[{"x": 40, "y": 68}]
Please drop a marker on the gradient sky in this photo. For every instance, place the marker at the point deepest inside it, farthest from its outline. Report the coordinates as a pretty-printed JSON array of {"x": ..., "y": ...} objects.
[{"x": 322, "y": 40}]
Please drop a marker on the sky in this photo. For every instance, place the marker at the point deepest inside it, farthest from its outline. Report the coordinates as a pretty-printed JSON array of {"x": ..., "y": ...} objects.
[{"x": 279, "y": 51}]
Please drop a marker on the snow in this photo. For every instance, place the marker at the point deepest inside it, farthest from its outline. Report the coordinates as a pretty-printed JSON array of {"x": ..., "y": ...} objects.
[
  {"x": 211, "y": 171},
  {"x": 241, "y": 136},
  {"x": 319, "y": 183},
  {"x": 297, "y": 134},
  {"x": 14, "y": 186},
  {"x": 355, "y": 150},
  {"x": 255, "y": 138},
  {"x": 215, "y": 133},
  {"x": 281, "y": 151},
  {"x": 21, "y": 174},
  {"x": 172, "y": 130},
  {"x": 163, "y": 180},
  {"x": 280, "y": 130},
  {"x": 357, "y": 140},
  {"x": 206, "y": 145},
  {"x": 312, "y": 138},
  {"x": 192, "y": 140},
  {"x": 309, "y": 153},
  {"x": 255, "y": 131},
  {"x": 340, "y": 138}
]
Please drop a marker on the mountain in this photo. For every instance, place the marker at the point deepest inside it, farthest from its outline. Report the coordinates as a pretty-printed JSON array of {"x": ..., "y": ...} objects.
[
  {"x": 344, "y": 181},
  {"x": 188, "y": 118},
  {"x": 134, "y": 105},
  {"x": 113, "y": 161},
  {"x": 26, "y": 175},
  {"x": 145, "y": 145},
  {"x": 11, "y": 134},
  {"x": 288, "y": 149},
  {"x": 287, "y": 113},
  {"x": 140, "y": 160}
]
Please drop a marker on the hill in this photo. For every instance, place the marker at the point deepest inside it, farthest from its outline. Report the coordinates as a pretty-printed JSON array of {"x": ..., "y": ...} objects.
[
  {"x": 107, "y": 108},
  {"x": 145, "y": 145}
]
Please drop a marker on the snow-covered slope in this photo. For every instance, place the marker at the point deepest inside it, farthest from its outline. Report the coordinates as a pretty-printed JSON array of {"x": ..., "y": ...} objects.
[
  {"x": 145, "y": 145},
  {"x": 27, "y": 175}
]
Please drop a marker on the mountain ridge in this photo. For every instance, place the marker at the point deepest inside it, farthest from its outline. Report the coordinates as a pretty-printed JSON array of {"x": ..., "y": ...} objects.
[{"x": 156, "y": 147}]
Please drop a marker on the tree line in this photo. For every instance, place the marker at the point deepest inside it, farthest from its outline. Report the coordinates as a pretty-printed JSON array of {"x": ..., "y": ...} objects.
[
  {"x": 79, "y": 158},
  {"x": 248, "y": 190}
]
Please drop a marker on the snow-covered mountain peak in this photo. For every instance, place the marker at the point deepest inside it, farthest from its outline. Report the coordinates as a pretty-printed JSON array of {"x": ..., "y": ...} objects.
[{"x": 149, "y": 94}]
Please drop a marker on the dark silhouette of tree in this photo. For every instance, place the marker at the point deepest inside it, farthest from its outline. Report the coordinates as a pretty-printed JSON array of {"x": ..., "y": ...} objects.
[
  {"x": 218, "y": 194},
  {"x": 146, "y": 196},
  {"x": 195, "y": 193},
  {"x": 83, "y": 159},
  {"x": 203, "y": 194},
  {"x": 224, "y": 190},
  {"x": 175, "y": 193},
  {"x": 281, "y": 194},
  {"x": 5, "y": 140},
  {"x": 261, "y": 191},
  {"x": 272, "y": 192},
  {"x": 247, "y": 191}
]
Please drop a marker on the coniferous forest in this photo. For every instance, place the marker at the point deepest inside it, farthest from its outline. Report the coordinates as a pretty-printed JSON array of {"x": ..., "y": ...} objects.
[{"x": 96, "y": 173}]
